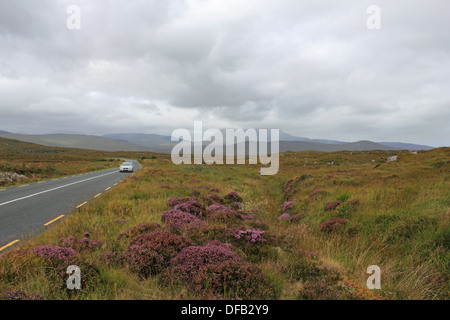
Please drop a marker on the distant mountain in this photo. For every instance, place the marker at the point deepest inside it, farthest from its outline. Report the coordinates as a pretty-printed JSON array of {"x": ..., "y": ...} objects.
[
  {"x": 77, "y": 141},
  {"x": 288, "y": 137},
  {"x": 327, "y": 147},
  {"x": 155, "y": 142},
  {"x": 163, "y": 144},
  {"x": 406, "y": 146},
  {"x": 4, "y": 132}
]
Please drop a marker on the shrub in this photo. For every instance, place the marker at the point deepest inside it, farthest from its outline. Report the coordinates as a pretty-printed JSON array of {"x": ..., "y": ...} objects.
[
  {"x": 214, "y": 271},
  {"x": 164, "y": 243},
  {"x": 143, "y": 261},
  {"x": 213, "y": 199},
  {"x": 22, "y": 295},
  {"x": 234, "y": 280},
  {"x": 285, "y": 216},
  {"x": 173, "y": 201},
  {"x": 333, "y": 224},
  {"x": 55, "y": 254},
  {"x": 233, "y": 196},
  {"x": 222, "y": 213},
  {"x": 250, "y": 235},
  {"x": 235, "y": 205},
  {"x": 180, "y": 221},
  {"x": 81, "y": 244},
  {"x": 332, "y": 205},
  {"x": 191, "y": 259},
  {"x": 141, "y": 228},
  {"x": 193, "y": 206},
  {"x": 287, "y": 206}
]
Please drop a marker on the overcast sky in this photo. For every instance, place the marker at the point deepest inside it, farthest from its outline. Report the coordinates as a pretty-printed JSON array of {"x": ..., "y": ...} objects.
[{"x": 310, "y": 68}]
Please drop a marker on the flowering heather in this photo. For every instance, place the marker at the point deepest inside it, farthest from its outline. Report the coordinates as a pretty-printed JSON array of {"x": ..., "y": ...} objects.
[
  {"x": 287, "y": 206},
  {"x": 179, "y": 221},
  {"x": 194, "y": 180},
  {"x": 214, "y": 190},
  {"x": 332, "y": 205},
  {"x": 236, "y": 205},
  {"x": 213, "y": 198},
  {"x": 84, "y": 243},
  {"x": 191, "y": 259},
  {"x": 258, "y": 224},
  {"x": 164, "y": 243},
  {"x": 251, "y": 235},
  {"x": 54, "y": 253},
  {"x": 173, "y": 201},
  {"x": 217, "y": 212},
  {"x": 297, "y": 217},
  {"x": 141, "y": 228},
  {"x": 219, "y": 208},
  {"x": 234, "y": 280},
  {"x": 193, "y": 206},
  {"x": 143, "y": 261},
  {"x": 285, "y": 216},
  {"x": 333, "y": 224},
  {"x": 22, "y": 295},
  {"x": 233, "y": 196}
]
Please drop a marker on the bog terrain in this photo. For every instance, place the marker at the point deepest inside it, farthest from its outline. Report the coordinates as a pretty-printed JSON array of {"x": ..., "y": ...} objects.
[{"x": 226, "y": 232}]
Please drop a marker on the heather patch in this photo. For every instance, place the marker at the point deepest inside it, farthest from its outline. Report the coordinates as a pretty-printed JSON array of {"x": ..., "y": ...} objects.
[
  {"x": 179, "y": 221},
  {"x": 193, "y": 206},
  {"x": 330, "y": 206},
  {"x": 333, "y": 224},
  {"x": 84, "y": 243},
  {"x": 236, "y": 205},
  {"x": 55, "y": 254},
  {"x": 220, "y": 213},
  {"x": 143, "y": 261},
  {"x": 141, "y": 228},
  {"x": 149, "y": 253},
  {"x": 287, "y": 206},
  {"x": 191, "y": 259},
  {"x": 233, "y": 196},
  {"x": 212, "y": 198},
  {"x": 164, "y": 243},
  {"x": 174, "y": 201},
  {"x": 22, "y": 295},
  {"x": 214, "y": 271},
  {"x": 285, "y": 217}
]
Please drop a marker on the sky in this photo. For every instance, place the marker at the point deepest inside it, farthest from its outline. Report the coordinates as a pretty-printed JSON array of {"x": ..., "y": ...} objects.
[{"x": 310, "y": 68}]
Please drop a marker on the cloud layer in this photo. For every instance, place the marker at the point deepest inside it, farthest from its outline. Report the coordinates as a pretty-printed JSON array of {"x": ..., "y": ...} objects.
[{"x": 310, "y": 68}]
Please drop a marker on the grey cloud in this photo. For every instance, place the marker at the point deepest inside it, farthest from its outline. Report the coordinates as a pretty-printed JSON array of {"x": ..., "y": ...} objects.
[{"x": 309, "y": 68}]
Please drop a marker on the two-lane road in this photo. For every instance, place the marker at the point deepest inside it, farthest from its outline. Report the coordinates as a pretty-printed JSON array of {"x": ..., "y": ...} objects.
[{"x": 29, "y": 209}]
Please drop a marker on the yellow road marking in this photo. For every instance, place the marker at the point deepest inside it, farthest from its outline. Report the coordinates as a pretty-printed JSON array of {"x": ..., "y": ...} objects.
[
  {"x": 25, "y": 185},
  {"x": 98, "y": 195},
  {"x": 107, "y": 188},
  {"x": 2, "y": 189},
  {"x": 115, "y": 184},
  {"x": 81, "y": 204},
  {"x": 54, "y": 220},
  {"x": 8, "y": 245}
]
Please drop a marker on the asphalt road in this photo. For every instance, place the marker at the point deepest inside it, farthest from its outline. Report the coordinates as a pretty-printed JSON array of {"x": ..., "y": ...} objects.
[{"x": 30, "y": 209}]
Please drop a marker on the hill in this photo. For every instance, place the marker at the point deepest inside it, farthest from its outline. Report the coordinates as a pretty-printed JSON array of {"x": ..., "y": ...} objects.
[{"x": 89, "y": 142}]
